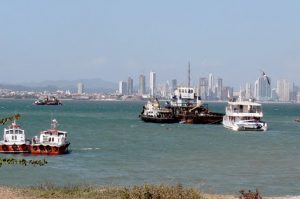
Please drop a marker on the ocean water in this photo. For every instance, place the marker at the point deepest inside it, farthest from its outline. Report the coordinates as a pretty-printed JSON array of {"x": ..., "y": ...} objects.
[{"x": 111, "y": 146}]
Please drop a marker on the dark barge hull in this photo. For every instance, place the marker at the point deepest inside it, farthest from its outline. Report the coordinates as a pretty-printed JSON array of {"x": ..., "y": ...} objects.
[
  {"x": 158, "y": 120},
  {"x": 215, "y": 118}
]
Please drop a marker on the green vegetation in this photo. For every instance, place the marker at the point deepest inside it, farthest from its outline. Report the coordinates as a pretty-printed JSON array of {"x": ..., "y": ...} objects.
[
  {"x": 23, "y": 162},
  {"x": 91, "y": 192}
]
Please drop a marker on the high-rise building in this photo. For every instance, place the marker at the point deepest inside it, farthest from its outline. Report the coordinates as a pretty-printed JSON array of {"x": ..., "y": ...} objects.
[
  {"x": 173, "y": 86},
  {"x": 249, "y": 91},
  {"x": 283, "y": 90},
  {"x": 211, "y": 83},
  {"x": 130, "y": 85},
  {"x": 122, "y": 88},
  {"x": 80, "y": 88},
  {"x": 142, "y": 85},
  {"x": 262, "y": 88},
  {"x": 152, "y": 84},
  {"x": 219, "y": 88},
  {"x": 203, "y": 87}
]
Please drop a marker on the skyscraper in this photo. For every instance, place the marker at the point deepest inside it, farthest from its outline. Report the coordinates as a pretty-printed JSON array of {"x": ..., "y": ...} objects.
[
  {"x": 173, "y": 86},
  {"x": 152, "y": 84},
  {"x": 130, "y": 86},
  {"x": 142, "y": 85},
  {"x": 262, "y": 88},
  {"x": 203, "y": 87},
  {"x": 219, "y": 88},
  {"x": 249, "y": 91},
  {"x": 80, "y": 88},
  {"x": 283, "y": 90},
  {"x": 122, "y": 88}
]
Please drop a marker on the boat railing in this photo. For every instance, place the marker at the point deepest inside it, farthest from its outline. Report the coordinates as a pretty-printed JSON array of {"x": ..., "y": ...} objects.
[{"x": 234, "y": 110}]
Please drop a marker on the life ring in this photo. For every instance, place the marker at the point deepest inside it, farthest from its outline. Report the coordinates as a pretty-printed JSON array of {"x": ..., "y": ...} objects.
[
  {"x": 55, "y": 149},
  {"x": 42, "y": 148},
  {"x": 4, "y": 148},
  {"x": 15, "y": 147},
  {"x": 24, "y": 147},
  {"x": 48, "y": 148},
  {"x": 34, "y": 148}
]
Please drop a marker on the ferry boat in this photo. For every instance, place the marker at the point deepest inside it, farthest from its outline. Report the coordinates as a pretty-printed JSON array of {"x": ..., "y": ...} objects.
[
  {"x": 152, "y": 112},
  {"x": 188, "y": 108},
  {"x": 14, "y": 140},
  {"x": 50, "y": 142},
  {"x": 244, "y": 116},
  {"x": 48, "y": 100}
]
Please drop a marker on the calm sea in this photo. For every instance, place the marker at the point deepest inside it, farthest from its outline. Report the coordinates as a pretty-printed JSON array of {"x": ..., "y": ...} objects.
[{"x": 111, "y": 146}]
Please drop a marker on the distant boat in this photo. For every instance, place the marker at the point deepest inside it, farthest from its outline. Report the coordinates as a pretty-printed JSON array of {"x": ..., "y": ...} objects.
[
  {"x": 48, "y": 100},
  {"x": 297, "y": 120},
  {"x": 188, "y": 108},
  {"x": 244, "y": 116},
  {"x": 152, "y": 112}
]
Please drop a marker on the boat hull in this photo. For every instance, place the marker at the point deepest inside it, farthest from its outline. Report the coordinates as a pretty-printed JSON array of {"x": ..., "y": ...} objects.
[
  {"x": 201, "y": 119},
  {"x": 13, "y": 148},
  {"x": 49, "y": 150},
  {"x": 244, "y": 126},
  {"x": 157, "y": 119}
]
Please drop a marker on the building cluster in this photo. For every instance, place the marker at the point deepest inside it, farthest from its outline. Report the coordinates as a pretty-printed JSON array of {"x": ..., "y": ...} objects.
[
  {"x": 212, "y": 88},
  {"x": 209, "y": 88}
]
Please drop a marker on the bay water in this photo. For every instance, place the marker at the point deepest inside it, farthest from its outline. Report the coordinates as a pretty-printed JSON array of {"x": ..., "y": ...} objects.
[{"x": 110, "y": 145}]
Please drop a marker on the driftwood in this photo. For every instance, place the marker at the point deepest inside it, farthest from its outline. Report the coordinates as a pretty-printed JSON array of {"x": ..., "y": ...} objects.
[{"x": 250, "y": 194}]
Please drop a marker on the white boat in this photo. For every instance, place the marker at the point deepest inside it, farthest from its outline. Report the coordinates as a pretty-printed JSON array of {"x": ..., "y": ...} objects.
[
  {"x": 14, "y": 140},
  {"x": 244, "y": 116},
  {"x": 51, "y": 141}
]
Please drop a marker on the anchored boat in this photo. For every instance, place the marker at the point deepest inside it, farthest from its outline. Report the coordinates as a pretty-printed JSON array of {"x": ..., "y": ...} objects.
[
  {"x": 51, "y": 141},
  {"x": 14, "y": 140},
  {"x": 48, "y": 100},
  {"x": 244, "y": 116},
  {"x": 188, "y": 108},
  {"x": 152, "y": 112}
]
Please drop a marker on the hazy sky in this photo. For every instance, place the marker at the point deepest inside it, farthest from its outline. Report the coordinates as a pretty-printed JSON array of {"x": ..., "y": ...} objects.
[{"x": 111, "y": 39}]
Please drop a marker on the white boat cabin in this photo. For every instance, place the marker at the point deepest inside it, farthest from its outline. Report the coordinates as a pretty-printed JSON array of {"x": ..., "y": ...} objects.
[
  {"x": 185, "y": 96},
  {"x": 13, "y": 135},
  {"x": 51, "y": 137},
  {"x": 244, "y": 109}
]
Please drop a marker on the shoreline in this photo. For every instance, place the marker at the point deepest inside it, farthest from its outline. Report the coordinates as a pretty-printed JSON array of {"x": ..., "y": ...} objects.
[{"x": 143, "y": 191}]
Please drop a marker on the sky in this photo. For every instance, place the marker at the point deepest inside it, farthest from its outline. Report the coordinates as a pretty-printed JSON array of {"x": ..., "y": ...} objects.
[{"x": 114, "y": 39}]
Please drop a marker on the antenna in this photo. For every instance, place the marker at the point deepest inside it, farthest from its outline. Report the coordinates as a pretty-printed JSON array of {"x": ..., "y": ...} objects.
[{"x": 189, "y": 75}]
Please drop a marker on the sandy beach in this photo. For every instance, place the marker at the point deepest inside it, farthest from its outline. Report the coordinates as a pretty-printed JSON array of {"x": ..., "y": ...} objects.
[{"x": 31, "y": 193}]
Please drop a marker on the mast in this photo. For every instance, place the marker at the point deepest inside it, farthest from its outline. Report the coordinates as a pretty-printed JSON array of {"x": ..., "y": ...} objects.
[{"x": 189, "y": 75}]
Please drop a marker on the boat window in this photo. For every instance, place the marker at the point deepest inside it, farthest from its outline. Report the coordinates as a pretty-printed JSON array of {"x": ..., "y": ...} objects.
[
  {"x": 7, "y": 132},
  {"x": 52, "y": 139},
  {"x": 11, "y": 131}
]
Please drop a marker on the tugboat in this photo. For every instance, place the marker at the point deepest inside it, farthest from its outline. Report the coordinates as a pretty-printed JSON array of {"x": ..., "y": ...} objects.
[
  {"x": 48, "y": 100},
  {"x": 152, "y": 112},
  {"x": 244, "y": 116},
  {"x": 14, "y": 140},
  {"x": 188, "y": 108},
  {"x": 50, "y": 142}
]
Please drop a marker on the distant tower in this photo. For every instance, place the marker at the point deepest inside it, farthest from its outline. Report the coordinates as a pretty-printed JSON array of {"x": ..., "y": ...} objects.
[
  {"x": 80, "y": 88},
  {"x": 210, "y": 83},
  {"x": 249, "y": 91},
  {"x": 152, "y": 84},
  {"x": 262, "y": 88},
  {"x": 130, "y": 86},
  {"x": 142, "y": 85},
  {"x": 203, "y": 87},
  {"x": 173, "y": 86},
  {"x": 122, "y": 88},
  {"x": 219, "y": 88},
  {"x": 283, "y": 90}
]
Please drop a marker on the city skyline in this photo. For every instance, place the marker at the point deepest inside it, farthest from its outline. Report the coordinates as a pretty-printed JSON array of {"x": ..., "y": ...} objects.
[{"x": 109, "y": 40}]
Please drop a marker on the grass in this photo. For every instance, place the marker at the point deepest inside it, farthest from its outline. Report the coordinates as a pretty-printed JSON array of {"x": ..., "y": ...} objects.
[{"x": 91, "y": 192}]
